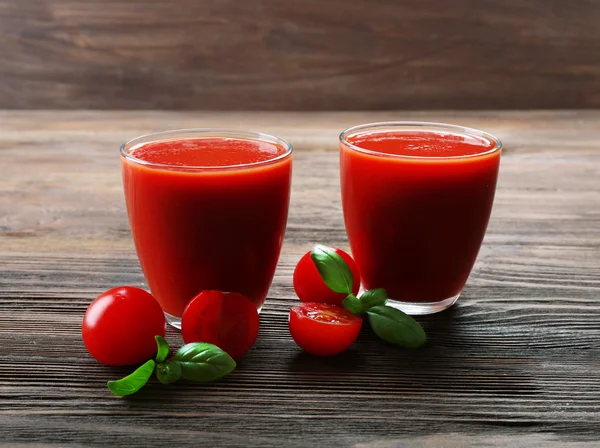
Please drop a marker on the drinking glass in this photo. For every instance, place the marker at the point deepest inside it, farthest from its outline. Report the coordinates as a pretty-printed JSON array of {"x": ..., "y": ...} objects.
[
  {"x": 417, "y": 198},
  {"x": 212, "y": 225}
]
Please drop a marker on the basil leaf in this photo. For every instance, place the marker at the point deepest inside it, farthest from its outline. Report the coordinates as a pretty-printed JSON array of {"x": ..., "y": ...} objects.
[
  {"x": 333, "y": 269},
  {"x": 134, "y": 382},
  {"x": 168, "y": 372},
  {"x": 396, "y": 327},
  {"x": 204, "y": 362},
  {"x": 374, "y": 297},
  {"x": 162, "y": 350},
  {"x": 352, "y": 304}
]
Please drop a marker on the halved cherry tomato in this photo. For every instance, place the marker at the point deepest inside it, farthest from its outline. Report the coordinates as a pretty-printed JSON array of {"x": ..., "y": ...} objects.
[
  {"x": 119, "y": 326},
  {"x": 310, "y": 287},
  {"x": 226, "y": 319},
  {"x": 323, "y": 329}
]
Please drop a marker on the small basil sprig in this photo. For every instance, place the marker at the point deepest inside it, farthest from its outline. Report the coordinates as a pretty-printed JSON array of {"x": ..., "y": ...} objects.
[
  {"x": 198, "y": 361},
  {"x": 168, "y": 372},
  {"x": 396, "y": 327},
  {"x": 373, "y": 297},
  {"x": 204, "y": 362},
  {"x": 390, "y": 324},
  {"x": 369, "y": 299},
  {"x": 333, "y": 269},
  {"x": 134, "y": 382},
  {"x": 162, "y": 350},
  {"x": 353, "y": 304}
]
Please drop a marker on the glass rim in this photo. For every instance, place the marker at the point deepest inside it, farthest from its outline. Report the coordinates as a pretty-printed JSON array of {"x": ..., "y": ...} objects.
[
  {"x": 177, "y": 134},
  {"x": 424, "y": 125}
]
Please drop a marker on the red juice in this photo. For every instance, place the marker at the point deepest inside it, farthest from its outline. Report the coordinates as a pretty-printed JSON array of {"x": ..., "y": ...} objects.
[
  {"x": 207, "y": 211},
  {"x": 417, "y": 199}
]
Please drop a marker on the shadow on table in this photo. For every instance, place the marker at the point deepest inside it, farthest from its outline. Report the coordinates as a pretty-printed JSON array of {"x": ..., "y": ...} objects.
[
  {"x": 454, "y": 359},
  {"x": 368, "y": 343},
  {"x": 457, "y": 358}
]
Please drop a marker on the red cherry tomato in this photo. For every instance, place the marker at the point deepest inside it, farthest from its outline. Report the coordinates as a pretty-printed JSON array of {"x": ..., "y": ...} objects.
[
  {"x": 226, "y": 319},
  {"x": 119, "y": 326},
  {"x": 323, "y": 329},
  {"x": 310, "y": 287}
]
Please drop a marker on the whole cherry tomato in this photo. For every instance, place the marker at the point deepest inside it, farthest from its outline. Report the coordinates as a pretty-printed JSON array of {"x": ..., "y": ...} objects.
[
  {"x": 226, "y": 319},
  {"x": 323, "y": 329},
  {"x": 119, "y": 326},
  {"x": 310, "y": 287}
]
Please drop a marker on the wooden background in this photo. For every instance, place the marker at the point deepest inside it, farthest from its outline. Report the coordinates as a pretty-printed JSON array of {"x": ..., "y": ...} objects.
[
  {"x": 515, "y": 363},
  {"x": 299, "y": 54}
]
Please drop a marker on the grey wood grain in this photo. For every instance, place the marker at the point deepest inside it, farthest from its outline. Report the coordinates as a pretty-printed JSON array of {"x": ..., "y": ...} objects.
[
  {"x": 299, "y": 54},
  {"x": 515, "y": 363}
]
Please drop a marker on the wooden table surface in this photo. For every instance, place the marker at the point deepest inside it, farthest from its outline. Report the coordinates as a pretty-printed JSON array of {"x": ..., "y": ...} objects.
[{"x": 516, "y": 362}]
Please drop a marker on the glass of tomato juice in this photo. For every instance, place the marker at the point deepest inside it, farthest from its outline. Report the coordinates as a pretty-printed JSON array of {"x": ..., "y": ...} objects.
[
  {"x": 207, "y": 210},
  {"x": 417, "y": 199}
]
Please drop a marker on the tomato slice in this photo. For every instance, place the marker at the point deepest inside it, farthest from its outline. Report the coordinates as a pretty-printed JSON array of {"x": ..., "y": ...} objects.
[
  {"x": 226, "y": 319},
  {"x": 323, "y": 329}
]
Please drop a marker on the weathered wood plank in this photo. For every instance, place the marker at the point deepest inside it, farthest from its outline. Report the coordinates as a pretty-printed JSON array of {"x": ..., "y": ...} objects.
[
  {"x": 299, "y": 55},
  {"x": 515, "y": 363}
]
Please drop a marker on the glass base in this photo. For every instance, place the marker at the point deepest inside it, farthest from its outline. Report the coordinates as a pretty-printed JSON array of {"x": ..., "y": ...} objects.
[
  {"x": 420, "y": 308},
  {"x": 173, "y": 321},
  {"x": 176, "y": 321}
]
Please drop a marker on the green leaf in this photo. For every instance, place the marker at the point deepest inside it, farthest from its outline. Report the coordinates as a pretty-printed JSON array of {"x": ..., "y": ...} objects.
[
  {"x": 134, "y": 382},
  {"x": 162, "y": 350},
  {"x": 204, "y": 362},
  {"x": 168, "y": 372},
  {"x": 333, "y": 269},
  {"x": 352, "y": 304},
  {"x": 374, "y": 297},
  {"x": 396, "y": 327}
]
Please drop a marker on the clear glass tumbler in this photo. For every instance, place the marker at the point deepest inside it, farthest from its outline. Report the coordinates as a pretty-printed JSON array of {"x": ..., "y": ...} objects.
[
  {"x": 208, "y": 211},
  {"x": 417, "y": 199}
]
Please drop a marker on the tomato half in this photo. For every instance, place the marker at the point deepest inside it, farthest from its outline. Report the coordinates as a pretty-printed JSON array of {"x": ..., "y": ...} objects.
[
  {"x": 226, "y": 319},
  {"x": 323, "y": 329},
  {"x": 310, "y": 287},
  {"x": 120, "y": 324}
]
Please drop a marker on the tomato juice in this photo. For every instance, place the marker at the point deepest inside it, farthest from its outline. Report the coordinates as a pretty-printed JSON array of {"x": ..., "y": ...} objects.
[
  {"x": 208, "y": 211},
  {"x": 417, "y": 198}
]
